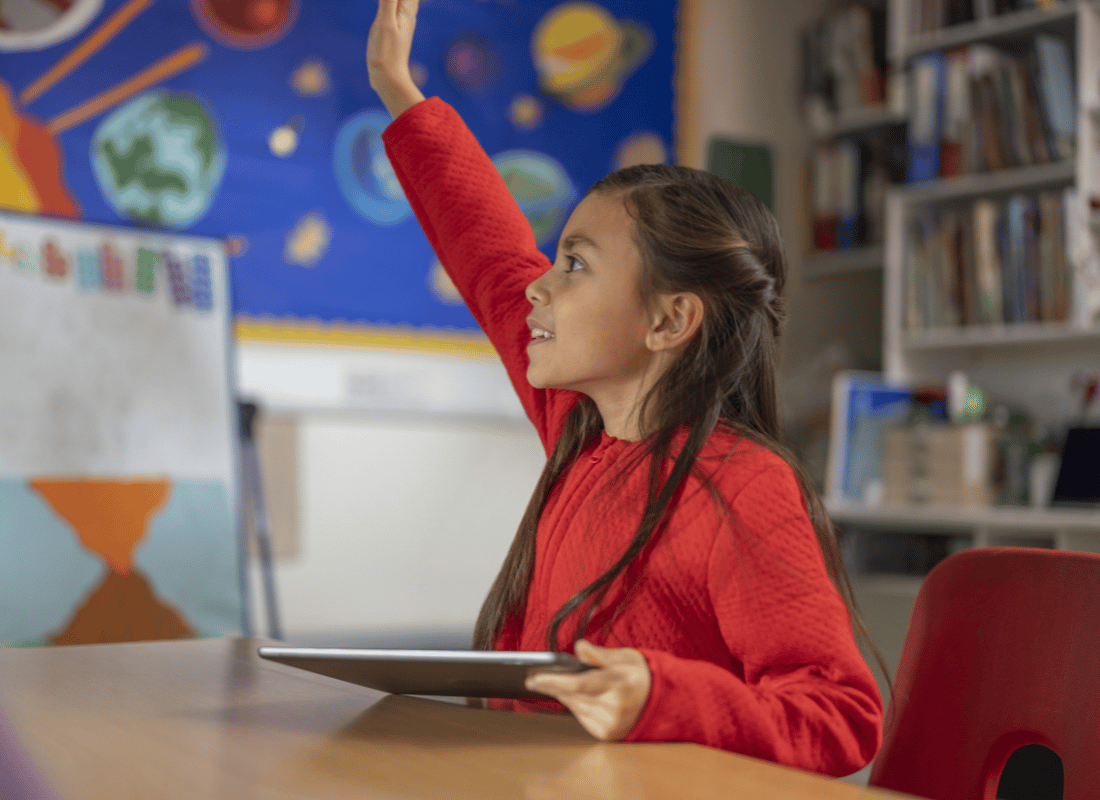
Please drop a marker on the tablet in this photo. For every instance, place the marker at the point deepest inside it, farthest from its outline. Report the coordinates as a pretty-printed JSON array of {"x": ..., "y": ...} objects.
[{"x": 456, "y": 673}]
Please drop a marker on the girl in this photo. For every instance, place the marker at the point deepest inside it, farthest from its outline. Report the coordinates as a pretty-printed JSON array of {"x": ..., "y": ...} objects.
[{"x": 665, "y": 528}]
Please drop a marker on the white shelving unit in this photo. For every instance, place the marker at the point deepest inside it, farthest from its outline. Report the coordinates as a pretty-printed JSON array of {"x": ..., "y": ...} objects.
[
  {"x": 861, "y": 120},
  {"x": 844, "y": 262},
  {"x": 1029, "y": 365},
  {"x": 990, "y": 29}
]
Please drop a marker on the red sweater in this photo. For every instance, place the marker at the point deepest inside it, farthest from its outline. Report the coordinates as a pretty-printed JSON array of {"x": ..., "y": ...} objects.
[{"x": 748, "y": 642}]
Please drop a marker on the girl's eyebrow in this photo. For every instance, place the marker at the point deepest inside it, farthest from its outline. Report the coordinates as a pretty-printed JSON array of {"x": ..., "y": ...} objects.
[{"x": 571, "y": 241}]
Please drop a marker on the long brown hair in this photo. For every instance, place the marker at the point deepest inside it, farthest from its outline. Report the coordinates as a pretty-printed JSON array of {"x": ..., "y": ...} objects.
[{"x": 696, "y": 233}]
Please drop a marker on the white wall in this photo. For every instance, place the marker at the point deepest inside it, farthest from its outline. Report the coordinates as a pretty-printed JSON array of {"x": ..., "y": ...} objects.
[
  {"x": 405, "y": 507},
  {"x": 404, "y": 524}
]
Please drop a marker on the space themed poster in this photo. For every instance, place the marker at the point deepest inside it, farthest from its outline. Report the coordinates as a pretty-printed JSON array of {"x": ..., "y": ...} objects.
[{"x": 253, "y": 122}]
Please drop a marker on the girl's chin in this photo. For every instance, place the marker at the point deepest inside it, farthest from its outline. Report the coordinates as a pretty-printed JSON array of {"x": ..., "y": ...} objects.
[{"x": 536, "y": 382}]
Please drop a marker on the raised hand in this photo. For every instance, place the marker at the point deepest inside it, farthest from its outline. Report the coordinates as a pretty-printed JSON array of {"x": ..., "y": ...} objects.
[
  {"x": 388, "y": 48},
  {"x": 607, "y": 701}
]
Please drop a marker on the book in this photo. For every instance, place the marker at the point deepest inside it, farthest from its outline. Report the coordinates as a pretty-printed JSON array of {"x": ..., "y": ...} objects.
[
  {"x": 956, "y": 143},
  {"x": 1014, "y": 275},
  {"x": 949, "y": 300},
  {"x": 1057, "y": 94},
  {"x": 928, "y": 76},
  {"x": 849, "y": 177},
  {"x": 1034, "y": 130},
  {"x": 968, "y": 268},
  {"x": 1056, "y": 289},
  {"x": 864, "y": 407},
  {"x": 986, "y": 112},
  {"x": 987, "y": 285}
]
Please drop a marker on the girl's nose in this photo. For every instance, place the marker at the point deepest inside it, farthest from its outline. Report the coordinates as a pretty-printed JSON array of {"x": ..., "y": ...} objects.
[{"x": 536, "y": 291}]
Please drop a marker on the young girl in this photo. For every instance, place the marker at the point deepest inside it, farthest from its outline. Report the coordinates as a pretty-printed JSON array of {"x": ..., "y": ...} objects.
[{"x": 666, "y": 543}]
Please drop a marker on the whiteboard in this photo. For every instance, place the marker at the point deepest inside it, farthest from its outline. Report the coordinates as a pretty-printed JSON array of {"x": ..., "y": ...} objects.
[{"x": 117, "y": 435}]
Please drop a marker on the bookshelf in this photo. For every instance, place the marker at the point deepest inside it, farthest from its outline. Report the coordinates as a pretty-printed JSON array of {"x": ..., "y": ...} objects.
[
  {"x": 854, "y": 106},
  {"x": 1024, "y": 364}
]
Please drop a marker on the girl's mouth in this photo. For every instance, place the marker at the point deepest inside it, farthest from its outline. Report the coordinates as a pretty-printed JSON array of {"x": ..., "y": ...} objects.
[{"x": 539, "y": 335}]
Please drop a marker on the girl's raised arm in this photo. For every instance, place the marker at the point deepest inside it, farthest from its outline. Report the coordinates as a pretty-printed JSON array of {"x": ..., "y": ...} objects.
[
  {"x": 475, "y": 227},
  {"x": 388, "y": 48}
]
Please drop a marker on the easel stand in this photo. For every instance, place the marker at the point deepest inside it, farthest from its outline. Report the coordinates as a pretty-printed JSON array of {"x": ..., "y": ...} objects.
[{"x": 254, "y": 494}]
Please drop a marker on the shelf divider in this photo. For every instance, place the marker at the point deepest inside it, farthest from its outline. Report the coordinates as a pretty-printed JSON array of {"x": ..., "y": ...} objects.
[
  {"x": 984, "y": 183},
  {"x": 843, "y": 262},
  {"x": 1003, "y": 26}
]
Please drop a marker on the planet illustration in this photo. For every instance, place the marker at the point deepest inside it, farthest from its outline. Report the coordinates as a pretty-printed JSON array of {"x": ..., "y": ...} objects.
[
  {"x": 37, "y": 24},
  {"x": 246, "y": 24},
  {"x": 640, "y": 147},
  {"x": 583, "y": 55},
  {"x": 309, "y": 241},
  {"x": 364, "y": 173},
  {"x": 525, "y": 112},
  {"x": 541, "y": 187},
  {"x": 472, "y": 63},
  {"x": 442, "y": 286},
  {"x": 236, "y": 245},
  {"x": 283, "y": 141},
  {"x": 159, "y": 159},
  {"x": 311, "y": 79}
]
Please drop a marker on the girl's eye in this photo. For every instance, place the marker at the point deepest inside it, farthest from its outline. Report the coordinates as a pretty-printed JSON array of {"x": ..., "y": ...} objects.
[{"x": 572, "y": 264}]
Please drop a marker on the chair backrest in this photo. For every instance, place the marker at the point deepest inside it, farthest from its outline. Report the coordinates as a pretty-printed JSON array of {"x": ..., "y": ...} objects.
[{"x": 1003, "y": 650}]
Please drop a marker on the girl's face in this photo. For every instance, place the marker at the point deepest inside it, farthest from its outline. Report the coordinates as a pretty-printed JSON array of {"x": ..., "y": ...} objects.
[{"x": 588, "y": 323}]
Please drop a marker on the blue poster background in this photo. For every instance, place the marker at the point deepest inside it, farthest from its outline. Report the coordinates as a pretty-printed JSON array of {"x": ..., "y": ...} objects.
[{"x": 355, "y": 270}]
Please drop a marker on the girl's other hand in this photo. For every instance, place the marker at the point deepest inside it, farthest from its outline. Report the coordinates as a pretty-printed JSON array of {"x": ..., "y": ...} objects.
[
  {"x": 388, "y": 47},
  {"x": 607, "y": 701}
]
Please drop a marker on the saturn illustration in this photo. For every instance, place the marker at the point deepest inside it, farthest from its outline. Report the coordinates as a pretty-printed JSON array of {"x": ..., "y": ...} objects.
[{"x": 583, "y": 54}]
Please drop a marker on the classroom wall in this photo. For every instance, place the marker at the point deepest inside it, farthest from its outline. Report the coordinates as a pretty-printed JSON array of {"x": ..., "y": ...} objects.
[{"x": 402, "y": 521}]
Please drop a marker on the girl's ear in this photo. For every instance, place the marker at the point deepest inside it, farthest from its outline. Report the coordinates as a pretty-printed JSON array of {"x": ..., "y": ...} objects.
[{"x": 677, "y": 319}]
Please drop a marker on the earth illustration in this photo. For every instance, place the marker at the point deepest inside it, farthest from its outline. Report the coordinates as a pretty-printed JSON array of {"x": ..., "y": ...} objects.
[
  {"x": 541, "y": 187},
  {"x": 364, "y": 173},
  {"x": 159, "y": 159}
]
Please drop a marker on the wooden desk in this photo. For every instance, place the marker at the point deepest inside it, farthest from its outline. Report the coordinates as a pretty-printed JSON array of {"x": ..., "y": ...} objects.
[{"x": 210, "y": 719}]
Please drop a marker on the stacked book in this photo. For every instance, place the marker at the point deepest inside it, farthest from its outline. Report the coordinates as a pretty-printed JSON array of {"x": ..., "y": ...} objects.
[
  {"x": 992, "y": 262},
  {"x": 982, "y": 109}
]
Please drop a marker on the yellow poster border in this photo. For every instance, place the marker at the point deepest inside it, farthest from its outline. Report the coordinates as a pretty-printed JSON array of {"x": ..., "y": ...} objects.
[{"x": 372, "y": 337}]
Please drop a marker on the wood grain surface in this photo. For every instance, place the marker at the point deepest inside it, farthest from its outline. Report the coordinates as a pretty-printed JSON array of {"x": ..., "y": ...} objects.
[{"x": 207, "y": 718}]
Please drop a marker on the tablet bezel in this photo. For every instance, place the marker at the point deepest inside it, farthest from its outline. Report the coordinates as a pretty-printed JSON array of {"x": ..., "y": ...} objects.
[{"x": 451, "y": 673}]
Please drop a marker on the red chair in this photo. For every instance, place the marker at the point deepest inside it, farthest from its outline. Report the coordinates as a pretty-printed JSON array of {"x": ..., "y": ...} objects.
[{"x": 1003, "y": 651}]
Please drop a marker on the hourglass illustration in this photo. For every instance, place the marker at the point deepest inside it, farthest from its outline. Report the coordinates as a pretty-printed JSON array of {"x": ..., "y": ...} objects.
[{"x": 110, "y": 516}]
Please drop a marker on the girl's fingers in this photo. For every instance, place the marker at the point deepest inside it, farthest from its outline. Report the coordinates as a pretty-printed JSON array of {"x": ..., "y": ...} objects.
[
  {"x": 557, "y": 684},
  {"x": 606, "y": 656}
]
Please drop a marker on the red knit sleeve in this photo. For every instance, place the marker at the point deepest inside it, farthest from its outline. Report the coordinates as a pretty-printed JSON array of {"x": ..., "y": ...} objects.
[
  {"x": 480, "y": 236},
  {"x": 800, "y": 693}
]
